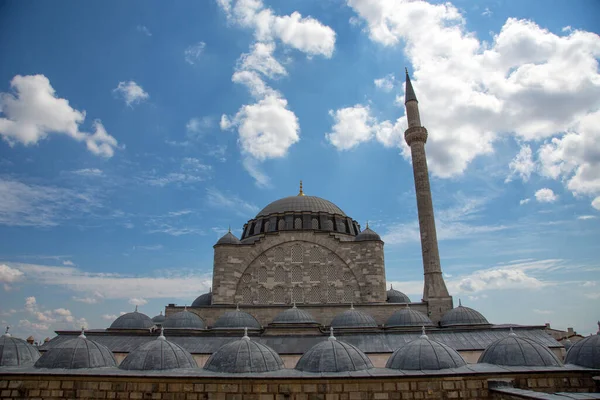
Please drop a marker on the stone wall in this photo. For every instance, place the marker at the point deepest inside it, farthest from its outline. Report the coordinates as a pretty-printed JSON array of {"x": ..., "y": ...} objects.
[
  {"x": 301, "y": 266},
  {"x": 38, "y": 386}
]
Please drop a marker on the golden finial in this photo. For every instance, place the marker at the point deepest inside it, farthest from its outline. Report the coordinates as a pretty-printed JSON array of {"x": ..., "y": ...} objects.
[{"x": 301, "y": 193}]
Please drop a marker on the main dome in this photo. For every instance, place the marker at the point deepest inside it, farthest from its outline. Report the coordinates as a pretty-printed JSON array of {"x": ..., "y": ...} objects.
[{"x": 300, "y": 204}]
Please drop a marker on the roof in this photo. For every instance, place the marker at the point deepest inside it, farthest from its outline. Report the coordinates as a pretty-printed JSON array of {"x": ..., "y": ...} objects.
[
  {"x": 159, "y": 318},
  {"x": 203, "y": 300},
  {"x": 585, "y": 353},
  {"x": 410, "y": 92},
  {"x": 184, "y": 319},
  {"x": 353, "y": 318},
  {"x": 294, "y": 315},
  {"x": 15, "y": 351},
  {"x": 518, "y": 351},
  {"x": 463, "y": 316},
  {"x": 408, "y": 317},
  {"x": 300, "y": 203},
  {"x": 79, "y": 352},
  {"x": 396, "y": 296},
  {"x": 244, "y": 355},
  {"x": 159, "y": 354},
  {"x": 132, "y": 320},
  {"x": 367, "y": 234},
  {"x": 332, "y": 355},
  {"x": 236, "y": 320},
  {"x": 425, "y": 354},
  {"x": 228, "y": 238}
]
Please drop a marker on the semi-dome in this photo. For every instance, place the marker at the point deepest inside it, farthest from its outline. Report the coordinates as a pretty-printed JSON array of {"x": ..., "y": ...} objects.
[
  {"x": 567, "y": 344},
  {"x": 243, "y": 356},
  {"x": 185, "y": 320},
  {"x": 513, "y": 351},
  {"x": 132, "y": 320},
  {"x": 586, "y": 352},
  {"x": 203, "y": 300},
  {"x": 294, "y": 316},
  {"x": 396, "y": 296},
  {"x": 333, "y": 355},
  {"x": 463, "y": 316},
  {"x": 367, "y": 234},
  {"x": 300, "y": 203},
  {"x": 353, "y": 318},
  {"x": 158, "y": 354},
  {"x": 236, "y": 320},
  {"x": 15, "y": 352},
  {"x": 79, "y": 352},
  {"x": 228, "y": 238},
  {"x": 159, "y": 319},
  {"x": 425, "y": 354},
  {"x": 408, "y": 317}
]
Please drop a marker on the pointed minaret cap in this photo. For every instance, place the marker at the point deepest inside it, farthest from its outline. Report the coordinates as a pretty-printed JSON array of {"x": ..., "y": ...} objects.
[{"x": 410, "y": 92}]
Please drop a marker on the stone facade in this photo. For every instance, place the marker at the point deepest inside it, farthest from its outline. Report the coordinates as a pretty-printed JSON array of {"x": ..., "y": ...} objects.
[{"x": 306, "y": 267}]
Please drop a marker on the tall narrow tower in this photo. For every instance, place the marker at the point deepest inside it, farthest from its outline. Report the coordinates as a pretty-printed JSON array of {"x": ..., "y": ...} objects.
[{"x": 416, "y": 136}]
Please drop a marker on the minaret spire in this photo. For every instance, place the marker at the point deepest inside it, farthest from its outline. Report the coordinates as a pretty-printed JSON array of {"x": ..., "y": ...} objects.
[{"x": 416, "y": 137}]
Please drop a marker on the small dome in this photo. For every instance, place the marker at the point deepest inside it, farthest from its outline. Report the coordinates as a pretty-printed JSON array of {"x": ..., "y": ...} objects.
[
  {"x": 159, "y": 318},
  {"x": 395, "y": 296},
  {"x": 353, "y": 318},
  {"x": 294, "y": 315},
  {"x": 463, "y": 316},
  {"x": 513, "y": 350},
  {"x": 132, "y": 320},
  {"x": 585, "y": 353},
  {"x": 332, "y": 355},
  {"x": 567, "y": 343},
  {"x": 203, "y": 300},
  {"x": 79, "y": 352},
  {"x": 406, "y": 318},
  {"x": 185, "y": 320},
  {"x": 425, "y": 354},
  {"x": 228, "y": 238},
  {"x": 236, "y": 320},
  {"x": 244, "y": 355},
  {"x": 15, "y": 351},
  {"x": 367, "y": 234},
  {"x": 158, "y": 354}
]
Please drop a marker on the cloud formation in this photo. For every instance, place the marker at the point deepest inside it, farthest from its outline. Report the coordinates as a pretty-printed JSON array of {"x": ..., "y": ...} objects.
[
  {"x": 193, "y": 52},
  {"x": 131, "y": 92},
  {"x": 545, "y": 195}
]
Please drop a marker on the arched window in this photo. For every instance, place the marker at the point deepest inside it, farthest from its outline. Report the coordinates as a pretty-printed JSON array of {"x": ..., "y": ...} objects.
[
  {"x": 281, "y": 224},
  {"x": 315, "y": 255},
  {"x": 262, "y": 274},
  {"x": 298, "y": 223},
  {"x": 315, "y": 273},
  {"x": 314, "y": 223},
  {"x": 280, "y": 274},
  {"x": 328, "y": 225},
  {"x": 332, "y": 273},
  {"x": 264, "y": 295},
  {"x": 266, "y": 226},
  {"x": 297, "y": 295},
  {"x": 314, "y": 295},
  {"x": 348, "y": 294},
  {"x": 257, "y": 227},
  {"x": 331, "y": 295},
  {"x": 246, "y": 295},
  {"x": 296, "y": 273},
  {"x": 279, "y": 295},
  {"x": 279, "y": 255},
  {"x": 297, "y": 253}
]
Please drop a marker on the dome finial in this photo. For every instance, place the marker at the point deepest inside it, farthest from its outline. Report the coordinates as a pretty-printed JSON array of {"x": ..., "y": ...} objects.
[
  {"x": 162, "y": 334},
  {"x": 598, "y": 333},
  {"x": 331, "y": 337},
  {"x": 391, "y": 286},
  {"x": 512, "y": 333},
  {"x": 237, "y": 306},
  {"x": 246, "y": 337},
  {"x": 352, "y": 305},
  {"x": 301, "y": 193},
  {"x": 6, "y": 334},
  {"x": 229, "y": 228},
  {"x": 160, "y": 312},
  {"x": 135, "y": 308},
  {"x": 459, "y": 303},
  {"x": 294, "y": 305},
  {"x": 367, "y": 224},
  {"x": 210, "y": 289},
  {"x": 82, "y": 334},
  {"x": 185, "y": 307},
  {"x": 423, "y": 334}
]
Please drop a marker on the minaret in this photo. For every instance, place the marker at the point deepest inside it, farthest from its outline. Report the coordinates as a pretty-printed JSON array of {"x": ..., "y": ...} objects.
[{"x": 416, "y": 136}]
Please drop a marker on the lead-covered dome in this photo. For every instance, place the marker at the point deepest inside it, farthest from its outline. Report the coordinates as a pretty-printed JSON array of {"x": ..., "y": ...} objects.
[
  {"x": 425, "y": 354},
  {"x": 300, "y": 203},
  {"x": 396, "y": 296},
  {"x": 518, "y": 351},
  {"x": 585, "y": 353},
  {"x": 333, "y": 355},
  {"x": 294, "y": 316},
  {"x": 228, "y": 238},
  {"x": 159, "y": 319},
  {"x": 15, "y": 352},
  {"x": 159, "y": 354},
  {"x": 236, "y": 320},
  {"x": 79, "y": 352},
  {"x": 367, "y": 234},
  {"x": 408, "y": 318},
  {"x": 243, "y": 356},
  {"x": 353, "y": 318},
  {"x": 184, "y": 320},
  {"x": 463, "y": 316},
  {"x": 203, "y": 300},
  {"x": 132, "y": 320}
]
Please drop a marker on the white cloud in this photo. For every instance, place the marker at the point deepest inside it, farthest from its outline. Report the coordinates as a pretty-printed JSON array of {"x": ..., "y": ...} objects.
[
  {"x": 495, "y": 279},
  {"x": 216, "y": 198},
  {"x": 586, "y": 217},
  {"x": 198, "y": 125},
  {"x": 528, "y": 82},
  {"x": 138, "y": 301},
  {"x": 9, "y": 275},
  {"x": 92, "y": 172},
  {"x": 487, "y": 12},
  {"x": 33, "y": 112},
  {"x": 522, "y": 165},
  {"x": 69, "y": 263},
  {"x": 386, "y": 83},
  {"x": 144, "y": 30},
  {"x": 109, "y": 317},
  {"x": 131, "y": 92},
  {"x": 545, "y": 195},
  {"x": 261, "y": 59},
  {"x": 191, "y": 170},
  {"x": 524, "y": 201},
  {"x": 87, "y": 300},
  {"x": 192, "y": 53},
  {"x": 596, "y": 203},
  {"x": 543, "y": 312}
]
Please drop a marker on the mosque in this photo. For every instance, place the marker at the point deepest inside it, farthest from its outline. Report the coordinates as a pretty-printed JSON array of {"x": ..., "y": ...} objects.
[{"x": 299, "y": 308}]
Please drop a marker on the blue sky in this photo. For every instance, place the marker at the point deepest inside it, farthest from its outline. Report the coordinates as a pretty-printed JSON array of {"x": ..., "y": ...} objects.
[{"x": 133, "y": 134}]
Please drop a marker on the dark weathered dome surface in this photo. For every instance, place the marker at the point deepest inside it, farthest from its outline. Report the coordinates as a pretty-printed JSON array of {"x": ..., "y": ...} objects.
[
  {"x": 15, "y": 351},
  {"x": 159, "y": 318},
  {"x": 228, "y": 238},
  {"x": 158, "y": 354},
  {"x": 406, "y": 318},
  {"x": 425, "y": 354},
  {"x": 79, "y": 352},
  {"x": 585, "y": 353},
  {"x": 203, "y": 300},
  {"x": 236, "y": 320},
  {"x": 300, "y": 203},
  {"x": 367, "y": 234},
  {"x": 184, "y": 319},
  {"x": 396, "y": 296},
  {"x": 518, "y": 351},
  {"x": 294, "y": 315},
  {"x": 132, "y": 320},
  {"x": 463, "y": 316},
  {"x": 333, "y": 355},
  {"x": 244, "y": 355},
  {"x": 353, "y": 318}
]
